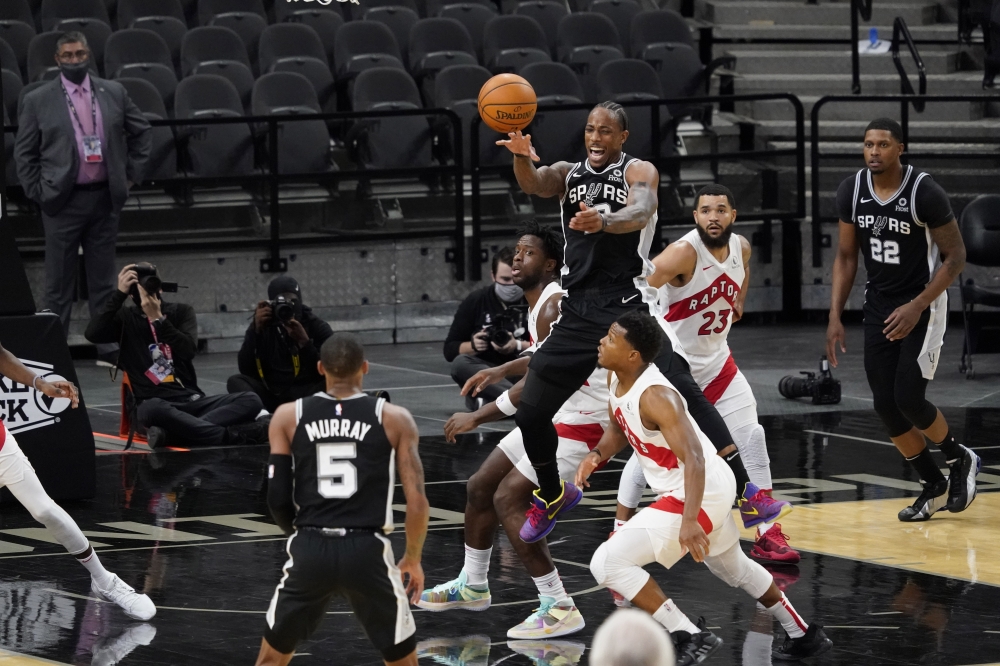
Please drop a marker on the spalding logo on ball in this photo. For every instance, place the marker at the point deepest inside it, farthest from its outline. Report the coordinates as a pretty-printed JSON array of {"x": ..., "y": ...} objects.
[{"x": 507, "y": 103}]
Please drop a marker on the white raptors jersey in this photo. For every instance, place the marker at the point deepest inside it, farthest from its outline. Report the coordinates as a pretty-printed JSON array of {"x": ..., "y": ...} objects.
[
  {"x": 700, "y": 312},
  {"x": 664, "y": 472},
  {"x": 550, "y": 290}
]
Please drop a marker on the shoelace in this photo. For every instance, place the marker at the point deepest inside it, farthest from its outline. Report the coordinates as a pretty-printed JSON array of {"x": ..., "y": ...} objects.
[
  {"x": 119, "y": 590},
  {"x": 535, "y": 515},
  {"x": 543, "y": 609},
  {"x": 781, "y": 538}
]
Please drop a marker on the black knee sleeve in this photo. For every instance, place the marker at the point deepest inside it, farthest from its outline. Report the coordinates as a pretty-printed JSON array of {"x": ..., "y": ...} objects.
[
  {"x": 702, "y": 411},
  {"x": 910, "y": 400},
  {"x": 887, "y": 409}
]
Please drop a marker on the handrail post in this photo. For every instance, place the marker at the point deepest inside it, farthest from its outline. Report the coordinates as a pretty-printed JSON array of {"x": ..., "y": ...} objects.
[
  {"x": 273, "y": 263},
  {"x": 855, "y": 56},
  {"x": 456, "y": 129},
  {"x": 475, "y": 243},
  {"x": 817, "y": 230}
]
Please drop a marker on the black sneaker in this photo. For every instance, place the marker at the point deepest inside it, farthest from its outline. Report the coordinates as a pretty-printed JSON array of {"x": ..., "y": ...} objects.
[
  {"x": 157, "y": 438},
  {"x": 249, "y": 434},
  {"x": 813, "y": 643},
  {"x": 962, "y": 480},
  {"x": 931, "y": 500},
  {"x": 695, "y": 648}
]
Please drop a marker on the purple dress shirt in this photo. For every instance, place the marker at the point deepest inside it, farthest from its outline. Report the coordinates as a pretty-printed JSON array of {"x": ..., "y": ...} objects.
[{"x": 80, "y": 96}]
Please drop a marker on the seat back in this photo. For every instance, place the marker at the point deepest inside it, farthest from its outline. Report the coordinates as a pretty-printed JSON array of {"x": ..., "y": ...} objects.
[
  {"x": 325, "y": 24},
  {"x": 207, "y": 9},
  {"x": 16, "y": 10},
  {"x": 390, "y": 142},
  {"x": 247, "y": 25},
  {"x": 547, "y": 13},
  {"x": 283, "y": 90},
  {"x": 980, "y": 225},
  {"x": 400, "y": 20},
  {"x": 553, "y": 79},
  {"x": 435, "y": 35},
  {"x": 581, "y": 30},
  {"x": 621, "y": 13},
  {"x": 54, "y": 11},
  {"x": 145, "y": 95},
  {"x": 214, "y": 150},
  {"x": 18, "y": 35},
  {"x": 130, "y": 10},
  {"x": 8, "y": 59},
  {"x": 289, "y": 40},
  {"x": 679, "y": 68},
  {"x": 211, "y": 43},
  {"x": 358, "y": 11},
  {"x": 131, "y": 46},
  {"x": 459, "y": 82},
  {"x": 12, "y": 86},
  {"x": 474, "y": 17},
  {"x": 361, "y": 37},
  {"x": 163, "y": 151},
  {"x": 303, "y": 146},
  {"x": 514, "y": 31},
  {"x": 655, "y": 26}
]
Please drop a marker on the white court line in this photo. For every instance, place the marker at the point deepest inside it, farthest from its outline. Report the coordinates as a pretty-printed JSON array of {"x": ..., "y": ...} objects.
[
  {"x": 877, "y": 441},
  {"x": 431, "y": 418},
  {"x": 396, "y": 367},
  {"x": 854, "y": 626},
  {"x": 158, "y": 547},
  {"x": 408, "y": 388}
]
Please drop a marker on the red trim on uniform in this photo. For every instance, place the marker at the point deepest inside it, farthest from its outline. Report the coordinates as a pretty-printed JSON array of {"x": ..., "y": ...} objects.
[
  {"x": 588, "y": 433},
  {"x": 673, "y": 505},
  {"x": 795, "y": 616},
  {"x": 718, "y": 386},
  {"x": 660, "y": 455},
  {"x": 722, "y": 287}
]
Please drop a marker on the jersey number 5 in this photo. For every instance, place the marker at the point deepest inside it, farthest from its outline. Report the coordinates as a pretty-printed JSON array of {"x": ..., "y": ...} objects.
[
  {"x": 706, "y": 328},
  {"x": 337, "y": 478},
  {"x": 885, "y": 252}
]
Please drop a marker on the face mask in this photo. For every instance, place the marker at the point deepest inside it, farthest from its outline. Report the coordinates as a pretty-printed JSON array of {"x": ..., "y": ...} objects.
[
  {"x": 75, "y": 72},
  {"x": 509, "y": 293}
]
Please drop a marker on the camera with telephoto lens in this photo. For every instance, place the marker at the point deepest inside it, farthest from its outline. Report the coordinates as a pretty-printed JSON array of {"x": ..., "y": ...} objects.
[
  {"x": 283, "y": 309},
  {"x": 823, "y": 389},
  {"x": 150, "y": 281},
  {"x": 505, "y": 326}
]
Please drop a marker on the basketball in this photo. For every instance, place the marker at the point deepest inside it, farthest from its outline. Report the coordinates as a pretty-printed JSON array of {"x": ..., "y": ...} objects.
[{"x": 507, "y": 103}]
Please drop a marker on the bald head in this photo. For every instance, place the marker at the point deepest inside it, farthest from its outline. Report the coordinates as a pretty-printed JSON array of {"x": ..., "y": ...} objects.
[{"x": 631, "y": 637}]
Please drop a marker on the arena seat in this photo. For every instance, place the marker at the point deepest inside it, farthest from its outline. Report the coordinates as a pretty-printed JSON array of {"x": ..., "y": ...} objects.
[
  {"x": 358, "y": 11},
  {"x": 436, "y": 43},
  {"x": 656, "y": 27},
  {"x": 210, "y": 44},
  {"x": 18, "y": 35},
  {"x": 980, "y": 228},
  {"x": 207, "y": 9},
  {"x": 214, "y": 150},
  {"x": 130, "y": 11},
  {"x": 95, "y": 31},
  {"x": 621, "y": 13},
  {"x": 247, "y": 25},
  {"x": 8, "y": 60},
  {"x": 434, "y": 7},
  {"x": 303, "y": 146},
  {"x": 361, "y": 45},
  {"x": 17, "y": 10},
  {"x": 8, "y": 150},
  {"x": 325, "y": 24},
  {"x": 556, "y": 134},
  {"x": 548, "y": 14},
  {"x": 41, "y": 63},
  {"x": 681, "y": 71},
  {"x": 554, "y": 79},
  {"x": 457, "y": 88},
  {"x": 399, "y": 20},
  {"x": 581, "y": 34},
  {"x": 389, "y": 142},
  {"x": 512, "y": 41},
  {"x": 163, "y": 152},
  {"x": 290, "y": 11},
  {"x": 474, "y": 17},
  {"x": 54, "y": 11},
  {"x": 142, "y": 54},
  {"x": 291, "y": 47},
  {"x": 12, "y": 86},
  {"x": 632, "y": 80}
]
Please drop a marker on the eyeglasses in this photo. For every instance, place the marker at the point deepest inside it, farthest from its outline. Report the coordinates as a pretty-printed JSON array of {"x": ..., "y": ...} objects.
[{"x": 70, "y": 56}]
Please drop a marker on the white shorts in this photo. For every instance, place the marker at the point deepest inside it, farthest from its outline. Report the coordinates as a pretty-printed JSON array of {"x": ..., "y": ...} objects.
[
  {"x": 662, "y": 518},
  {"x": 575, "y": 442},
  {"x": 13, "y": 462},
  {"x": 728, "y": 389}
]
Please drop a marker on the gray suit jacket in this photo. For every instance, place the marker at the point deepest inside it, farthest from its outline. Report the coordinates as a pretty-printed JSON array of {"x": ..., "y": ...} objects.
[{"x": 46, "y": 152}]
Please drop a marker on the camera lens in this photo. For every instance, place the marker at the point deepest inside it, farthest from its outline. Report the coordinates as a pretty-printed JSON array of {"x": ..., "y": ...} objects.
[
  {"x": 284, "y": 312},
  {"x": 500, "y": 336},
  {"x": 793, "y": 387}
]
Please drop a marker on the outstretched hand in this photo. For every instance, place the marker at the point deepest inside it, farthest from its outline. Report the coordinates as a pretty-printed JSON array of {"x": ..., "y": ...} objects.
[
  {"x": 588, "y": 220},
  {"x": 520, "y": 144},
  {"x": 61, "y": 389}
]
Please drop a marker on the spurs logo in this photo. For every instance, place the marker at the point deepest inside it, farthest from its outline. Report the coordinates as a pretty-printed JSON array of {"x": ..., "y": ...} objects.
[{"x": 592, "y": 191}]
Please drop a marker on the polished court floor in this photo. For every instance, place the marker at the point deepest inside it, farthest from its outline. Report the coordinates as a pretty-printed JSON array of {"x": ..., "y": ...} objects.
[{"x": 191, "y": 529}]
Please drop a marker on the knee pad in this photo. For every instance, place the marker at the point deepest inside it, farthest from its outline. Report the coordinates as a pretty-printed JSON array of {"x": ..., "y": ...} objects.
[
  {"x": 915, "y": 408},
  {"x": 737, "y": 570},
  {"x": 611, "y": 569},
  {"x": 531, "y": 417},
  {"x": 751, "y": 442},
  {"x": 891, "y": 416},
  {"x": 631, "y": 484},
  {"x": 45, "y": 511}
]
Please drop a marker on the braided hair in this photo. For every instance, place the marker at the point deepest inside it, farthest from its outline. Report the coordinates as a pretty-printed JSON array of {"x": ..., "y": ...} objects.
[{"x": 616, "y": 110}]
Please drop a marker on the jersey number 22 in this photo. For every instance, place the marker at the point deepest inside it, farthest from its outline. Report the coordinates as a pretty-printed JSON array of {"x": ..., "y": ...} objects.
[
  {"x": 885, "y": 252},
  {"x": 336, "y": 476}
]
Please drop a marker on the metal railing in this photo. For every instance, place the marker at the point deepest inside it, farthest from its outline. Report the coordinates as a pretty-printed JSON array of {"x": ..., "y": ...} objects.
[
  {"x": 901, "y": 33},
  {"x": 860, "y": 9}
]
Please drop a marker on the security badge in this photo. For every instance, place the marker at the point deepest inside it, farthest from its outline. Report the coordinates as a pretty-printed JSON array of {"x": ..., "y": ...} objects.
[{"x": 92, "y": 149}]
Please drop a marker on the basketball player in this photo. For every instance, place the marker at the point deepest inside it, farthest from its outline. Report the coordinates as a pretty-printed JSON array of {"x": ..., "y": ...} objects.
[
  {"x": 703, "y": 280},
  {"x": 19, "y": 476},
  {"x": 331, "y": 481},
  {"x": 608, "y": 203},
  {"x": 902, "y": 222},
  {"x": 695, "y": 495},
  {"x": 501, "y": 487}
]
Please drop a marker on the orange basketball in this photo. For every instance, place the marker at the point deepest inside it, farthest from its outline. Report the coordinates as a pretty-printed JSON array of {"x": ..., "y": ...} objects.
[{"x": 507, "y": 103}]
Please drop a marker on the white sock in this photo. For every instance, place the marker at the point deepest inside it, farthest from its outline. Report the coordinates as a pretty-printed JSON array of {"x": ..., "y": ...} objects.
[
  {"x": 550, "y": 585},
  {"x": 763, "y": 528},
  {"x": 784, "y": 612},
  {"x": 101, "y": 576},
  {"x": 618, "y": 524},
  {"x": 673, "y": 619},
  {"x": 477, "y": 565}
]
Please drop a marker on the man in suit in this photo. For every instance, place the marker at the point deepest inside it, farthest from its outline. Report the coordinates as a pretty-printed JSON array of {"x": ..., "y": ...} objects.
[{"x": 81, "y": 144}]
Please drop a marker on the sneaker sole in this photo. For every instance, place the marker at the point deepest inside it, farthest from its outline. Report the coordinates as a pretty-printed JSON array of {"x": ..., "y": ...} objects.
[
  {"x": 765, "y": 556},
  {"x": 757, "y": 520},
  {"x": 542, "y": 635},
  {"x": 708, "y": 653},
  {"x": 968, "y": 503},
  {"x": 478, "y": 605}
]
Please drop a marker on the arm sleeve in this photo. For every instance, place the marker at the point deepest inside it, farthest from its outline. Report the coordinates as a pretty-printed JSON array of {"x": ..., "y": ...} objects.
[
  {"x": 106, "y": 325},
  {"x": 245, "y": 360},
  {"x": 139, "y": 137},
  {"x": 462, "y": 325},
  {"x": 845, "y": 200},
  {"x": 180, "y": 331},
  {"x": 931, "y": 206},
  {"x": 279, "y": 491}
]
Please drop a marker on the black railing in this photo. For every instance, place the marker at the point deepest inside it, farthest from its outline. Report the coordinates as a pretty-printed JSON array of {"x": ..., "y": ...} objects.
[
  {"x": 860, "y": 9},
  {"x": 900, "y": 33},
  {"x": 770, "y": 210},
  {"x": 905, "y": 100}
]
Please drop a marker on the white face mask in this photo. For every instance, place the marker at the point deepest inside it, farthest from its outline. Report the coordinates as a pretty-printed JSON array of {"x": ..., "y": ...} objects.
[{"x": 509, "y": 293}]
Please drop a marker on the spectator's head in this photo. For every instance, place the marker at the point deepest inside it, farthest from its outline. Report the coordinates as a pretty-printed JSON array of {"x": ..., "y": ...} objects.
[
  {"x": 632, "y": 343},
  {"x": 73, "y": 56},
  {"x": 537, "y": 256},
  {"x": 883, "y": 145},
  {"x": 714, "y": 214},
  {"x": 503, "y": 276},
  {"x": 342, "y": 360},
  {"x": 285, "y": 287},
  {"x": 630, "y": 637}
]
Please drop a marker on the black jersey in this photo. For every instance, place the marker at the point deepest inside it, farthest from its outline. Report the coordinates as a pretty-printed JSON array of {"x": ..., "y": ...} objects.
[
  {"x": 894, "y": 234},
  {"x": 345, "y": 467},
  {"x": 602, "y": 260}
]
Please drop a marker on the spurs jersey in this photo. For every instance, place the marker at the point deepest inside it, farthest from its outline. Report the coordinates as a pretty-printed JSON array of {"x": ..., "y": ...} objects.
[
  {"x": 345, "y": 467},
  {"x": 602, "y": 260},
  {"x": 701, "y": 312},
  {"x": 664, "y": 472},
  {"x": 590, "y": 403}
]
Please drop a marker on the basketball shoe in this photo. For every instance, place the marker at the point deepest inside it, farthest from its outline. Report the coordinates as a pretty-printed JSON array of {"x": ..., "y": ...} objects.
[
  {"x": 136, "y": 606},
  {"x": 695, "y": 648},
  {"x": 455, "y": 594},
  {"x": 549, "y": 620},
  {"x": 813, "y": 643},
  {"x": 549, "y": 653},
  {"x": 933, "y": 499},
  {"x": 757, "y": 507},
  {"x": 465, "y": 651},
  {"x": 772, "y": 546},
  {"x": 541, "y": 517},
  {"x": 962, "y": 480}
]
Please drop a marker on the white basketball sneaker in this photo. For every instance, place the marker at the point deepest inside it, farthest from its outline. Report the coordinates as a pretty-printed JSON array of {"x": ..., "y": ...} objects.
[
  {"x": 137, "y": 606},
  {"x": 549, "y": 620}
]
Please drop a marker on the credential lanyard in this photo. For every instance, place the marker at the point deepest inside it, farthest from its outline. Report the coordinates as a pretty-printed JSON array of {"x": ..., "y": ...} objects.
[{"x": 93, "y": 111}]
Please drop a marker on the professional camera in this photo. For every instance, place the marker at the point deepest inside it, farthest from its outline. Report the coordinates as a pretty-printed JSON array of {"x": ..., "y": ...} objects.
[
  {"x": 506, "y": 325},
  {"x": 150, "y": 281},
  {"x": 283, "y": 309},
  {"x": 824, "y": 389}
]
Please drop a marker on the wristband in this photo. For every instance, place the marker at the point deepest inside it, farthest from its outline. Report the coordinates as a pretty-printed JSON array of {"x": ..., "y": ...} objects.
[
  {"x": 600, "y": 458},
  {"x": 604, "y": 221},
  {"x": 504, "y": 404},
  {"x": 519, "y": 345},
  {"x": 34, "y": 383}
]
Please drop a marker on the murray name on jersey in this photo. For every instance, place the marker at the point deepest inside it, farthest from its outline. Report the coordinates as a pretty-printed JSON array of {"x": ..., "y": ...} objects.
[{"x": 341, "y": 428}]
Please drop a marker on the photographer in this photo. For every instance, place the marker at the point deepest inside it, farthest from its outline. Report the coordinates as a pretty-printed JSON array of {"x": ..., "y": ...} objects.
[
  {"x": 469, "y": 347},
  {"x": 281, "y": 347},
  {"x": 158, "y": 343}
]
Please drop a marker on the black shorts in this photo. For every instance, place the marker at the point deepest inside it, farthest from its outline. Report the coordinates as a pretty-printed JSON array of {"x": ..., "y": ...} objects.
[
  {"x": 360, "y": 567},
  {"x": 569, "y": 354}
]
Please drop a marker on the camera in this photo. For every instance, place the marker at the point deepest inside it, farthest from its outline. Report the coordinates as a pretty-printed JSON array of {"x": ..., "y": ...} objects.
[
  {"x": 150, "y": 281},
  {"x": 824, "y": 389},
  {"x": 505, "y": 326},
  {"x": 283, "y": 309}
]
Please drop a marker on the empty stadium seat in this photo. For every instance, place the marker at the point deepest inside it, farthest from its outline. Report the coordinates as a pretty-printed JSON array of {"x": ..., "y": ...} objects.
[
  {"x": 130, "y": 11},
  {"x": 656, "y": 27},
  {"x": 632, "y": 80},
  {"x": 457, "y": 88},
  {"x": 399, "y": 20},
  {"x": 436, "y": 43},
  {"x": 290, "y": 47},
  {"x": 325, "y": 24},
  {"x": 474, "y": 17},
  {"x": 12, "y": 85},
  {"x": 95, "y": 31},
  {"x": 556, "y": 135},
  {"x": 579, "y": 32},
  {"x": 554, "y": 79},
  {"x": 207, "y": 9},
  {"x": 54, "y": 11},
  {"x": 358, "y": 10},
  {"x": 214, "y": 150},
  {"x": 304, "y": 145},
  {"x": 621, "y": 13},
  {"x": 16, "y": 10},
  {"x": 361, "y": 43},
  {"x": 389, "y": 142},
  {"x": 211, "y": 44},
  {"x": 163, "y": 151},
  {"x": 8, "y": 59},
  {"x": 41, "y": 57},
  {"x": 247, "y": 25},
  {"x": 18, "y": 35},
  {"x": 548, "y": 14},
  {"x": 511, "y": 42},
  {"x": 287, "y": 11},
  {"x": 142, "y": 54},
  {"x": 681, "y": 71},
  {"x": 434, "y": 7}
]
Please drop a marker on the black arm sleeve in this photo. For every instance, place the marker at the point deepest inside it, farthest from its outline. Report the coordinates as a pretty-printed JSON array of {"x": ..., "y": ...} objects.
[
  {"x": 279, "y": 491},
  {"x": 931, "y": 206},
  {"x": 845, "y": 200},
  {"x": 180, "y": 331},
  {"x": 106, "y": 326},
  {"x": 463, "y": 325}
]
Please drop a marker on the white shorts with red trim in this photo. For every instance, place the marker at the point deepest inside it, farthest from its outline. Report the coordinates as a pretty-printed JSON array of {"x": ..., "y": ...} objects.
[
  {"x": 575, "y": 441},
  {"x": 662, "y": 519},
  {"x": 13, "y": 462},
  {"x": 728, "y": 389}
]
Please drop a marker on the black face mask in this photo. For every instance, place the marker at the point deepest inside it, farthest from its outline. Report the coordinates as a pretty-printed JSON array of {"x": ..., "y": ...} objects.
[{"x": 75, "y": 72}]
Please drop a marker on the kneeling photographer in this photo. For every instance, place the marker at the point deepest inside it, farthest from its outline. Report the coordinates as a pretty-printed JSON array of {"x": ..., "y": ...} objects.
[
  {"x": 281, "y": 348},
  {"x": 158, "y": 344},
  {"x": 487, "y": 328}
]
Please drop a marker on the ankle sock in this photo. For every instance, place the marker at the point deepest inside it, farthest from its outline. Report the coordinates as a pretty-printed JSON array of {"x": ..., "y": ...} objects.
[
  {"x": 951, "y": 449},
  {"x": 550, "y": 585},
  {"x": 477, "y": 566},
  {"x": 101, "y": 576},
  {"x": 673, "y": 619},
  {"x": 925, "y": 467},
  {"x": 784, "y": 612}
]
